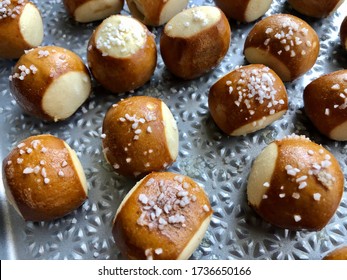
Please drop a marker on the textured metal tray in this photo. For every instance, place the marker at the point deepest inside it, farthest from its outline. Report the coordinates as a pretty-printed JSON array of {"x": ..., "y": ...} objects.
[{"x": 218, "y": 162}]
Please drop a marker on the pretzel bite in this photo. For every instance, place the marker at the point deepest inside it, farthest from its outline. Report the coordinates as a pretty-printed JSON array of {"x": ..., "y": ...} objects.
[
  {"x": 244, "y": 10},
  {"x": 295, "y": 184},
  {"x": 195, "y": 41},
  {"x": 343, "y": 33},
  {"x": 247, "y": 99},
  {"x": 92, "y": 10},
  {"x": 21, "y": 27},
  {"x": 164, "y": 216},
  {"x": 155, "y": 12},
  {"x": 139, "y": 136},
  {"x": 337, "y": 254},
  {"x": 285, "y": 43},
  {"x": 122, "y": 54},
  {"x": 325, "y": 103},
  {"x": 43, "y": 178},
  {"x": 316, "y": 8},
  {"x": 50, "y": 83}
]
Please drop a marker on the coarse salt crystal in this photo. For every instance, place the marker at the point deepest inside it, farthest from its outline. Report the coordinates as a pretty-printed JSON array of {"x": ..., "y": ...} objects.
[
  {"x": 148, "y": 253},
  {"x": 135, "y": 125},
  {"x": 158, "y": 251},
  {"x": 43, "y": 172},
  {"x": 297, "y": 218},
  {"x": 150, "y": 182},
  {"x": 178, "y": 179},
  {"x": 182, "y": 193},
  {"x": 300, "y": 179},
  {"x": 28, "y": 170},
  {"x": 21, "y": 145},
  {"x": 116, "y": 166},
  {"x": 143, "y": 198},
  {"x": 335, "y": 87},
  {"x": 37, "y": 169},
  {"x": 296, "y": 195},
  {"x": 317, "y": 196},
  {"x": 302, "y": 185}
]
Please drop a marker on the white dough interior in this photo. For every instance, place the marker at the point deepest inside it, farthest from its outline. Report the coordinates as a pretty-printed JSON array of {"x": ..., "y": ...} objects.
[
  {"x": 120, "y": 36},
  {"x": 257, "y": 125},
  {"x": 255, "y": 55},
  {"x": 31, "y": 25},
  {"x": 262, "y": 170},
  {"x": 77, "y": 164},
  {"x": 97, "y": 9},
  {"x": 136, "y": 8},
  {"x": 336, "y": 7},
  {"x": 256, "y": 9},
  {"x": 171, "y": 131},
  {"x": 170, "y": 9},
  {"x": 339, "y": 133},
  {"x": 195, "y": 241},
  {"x": 66, "y": 94},
  {"x": 192, "y": 21}
]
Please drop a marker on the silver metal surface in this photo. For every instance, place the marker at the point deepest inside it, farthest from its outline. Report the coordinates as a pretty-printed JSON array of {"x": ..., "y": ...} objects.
[{"x": 218, "y": 162}]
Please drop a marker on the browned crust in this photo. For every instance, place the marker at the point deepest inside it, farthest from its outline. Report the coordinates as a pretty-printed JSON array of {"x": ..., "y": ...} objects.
[
  {"x": 72, "y": 5},
  {"x": 29, "y": 92},
  {"x": 297, "y": 65},
  {"x": 192, "y": 57},
  {"x": 120, "y": 135},
  {"x": 38, "y": 201},
  {"x": 337, "y": 254},
  {"x": 12, "y": 43},
  {"x": 233, "y": 9},
  {"x": 314, "y": 8},
  {"x": 319, "y": 96},
  {"x": 343, "y": 33},
  {"x": 227, "y": 114},
  {"x": 133, "y": 239},
  {"x": 314, "y": 214},
  {"x": 152, "y": 11},
  {"x": 123, "y": 74}
]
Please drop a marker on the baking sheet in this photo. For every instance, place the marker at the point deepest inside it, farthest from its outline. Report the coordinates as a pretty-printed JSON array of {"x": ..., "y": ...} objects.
[{"x": 219, "y": 162}]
